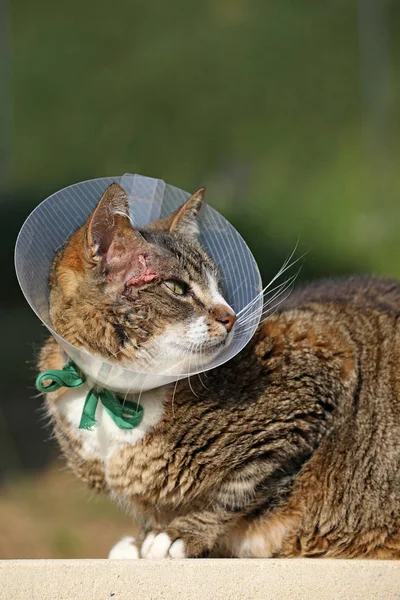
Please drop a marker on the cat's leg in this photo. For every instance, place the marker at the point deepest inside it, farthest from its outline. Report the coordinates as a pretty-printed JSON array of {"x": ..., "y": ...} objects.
[
  {"x": 192, "y": 536},
  {"x": 162, "y": 544},
  {"x": 223, "y": 535},
  {"x": 126, "y": 548}
]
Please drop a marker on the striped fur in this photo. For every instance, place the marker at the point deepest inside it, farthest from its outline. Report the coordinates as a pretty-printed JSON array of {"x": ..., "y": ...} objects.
[{"x": 290, "y": 449}]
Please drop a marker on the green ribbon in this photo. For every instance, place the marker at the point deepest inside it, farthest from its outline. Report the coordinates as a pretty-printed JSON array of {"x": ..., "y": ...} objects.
[{"x": 124, "y": 413}]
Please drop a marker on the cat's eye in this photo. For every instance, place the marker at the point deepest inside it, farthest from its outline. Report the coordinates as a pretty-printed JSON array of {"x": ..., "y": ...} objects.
[{"x": 177, "y": 287}]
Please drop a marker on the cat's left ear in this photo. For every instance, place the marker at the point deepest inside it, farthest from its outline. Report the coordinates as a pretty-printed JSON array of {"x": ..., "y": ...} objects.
[
  {"x": 109, "y": 222},
  {"x": 183, "y": 221}
]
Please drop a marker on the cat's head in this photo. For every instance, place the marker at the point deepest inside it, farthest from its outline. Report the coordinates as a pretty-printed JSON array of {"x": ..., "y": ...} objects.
[{"x": 149, "y": 298}]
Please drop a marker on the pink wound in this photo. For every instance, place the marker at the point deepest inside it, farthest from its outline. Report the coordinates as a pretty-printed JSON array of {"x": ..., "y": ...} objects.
[
  {"x": 141, "y": 279},
  {"x": 145, "y": 277}
]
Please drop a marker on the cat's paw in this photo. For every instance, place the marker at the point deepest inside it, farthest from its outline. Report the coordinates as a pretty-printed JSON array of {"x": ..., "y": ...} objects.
[
  {"x": 160, "y": 545},
  {"x": 125, "y": 548}
]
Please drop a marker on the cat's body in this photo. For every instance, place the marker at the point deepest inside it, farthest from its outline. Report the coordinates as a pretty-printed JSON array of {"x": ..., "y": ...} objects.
[{"x": 290, "y": 449}]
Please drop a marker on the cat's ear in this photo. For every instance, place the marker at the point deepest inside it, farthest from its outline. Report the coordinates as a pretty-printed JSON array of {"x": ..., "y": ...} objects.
[
  {"x": 108, "y": 221},
  {"x": 184, "y": 220}
]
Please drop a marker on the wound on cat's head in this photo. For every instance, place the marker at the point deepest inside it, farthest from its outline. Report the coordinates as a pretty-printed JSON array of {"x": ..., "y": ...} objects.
[{"x": 147, "y": 297}]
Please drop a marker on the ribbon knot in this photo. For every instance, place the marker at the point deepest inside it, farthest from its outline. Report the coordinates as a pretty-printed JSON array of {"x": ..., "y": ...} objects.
[{"x": 124, "y": 413}]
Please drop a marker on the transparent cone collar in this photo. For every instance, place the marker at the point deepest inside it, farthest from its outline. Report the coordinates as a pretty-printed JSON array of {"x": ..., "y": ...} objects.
[{"x": 49, "y": 226}]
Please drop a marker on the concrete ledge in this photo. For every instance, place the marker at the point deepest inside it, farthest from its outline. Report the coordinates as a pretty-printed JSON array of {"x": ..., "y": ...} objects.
[{"x": 294, "y": 579}]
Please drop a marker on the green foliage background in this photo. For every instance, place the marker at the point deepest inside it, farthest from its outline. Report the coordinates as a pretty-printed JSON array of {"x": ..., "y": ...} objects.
[{"x": 287, "y": 111}]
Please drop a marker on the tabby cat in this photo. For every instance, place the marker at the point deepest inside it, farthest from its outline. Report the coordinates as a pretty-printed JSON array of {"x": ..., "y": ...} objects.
[{"x": 291, "y": 449}]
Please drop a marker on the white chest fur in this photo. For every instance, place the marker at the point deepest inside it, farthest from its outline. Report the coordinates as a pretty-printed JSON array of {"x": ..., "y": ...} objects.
[{"x": 103, "y": 440}]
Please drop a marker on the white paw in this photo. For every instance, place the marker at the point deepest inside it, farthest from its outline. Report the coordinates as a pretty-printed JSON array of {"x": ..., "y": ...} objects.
[
  {"x": 159, "y": 546},
  {"x": 125, "y": 548}
]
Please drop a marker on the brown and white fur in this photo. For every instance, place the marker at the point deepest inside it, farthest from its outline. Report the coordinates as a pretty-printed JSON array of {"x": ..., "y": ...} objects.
[{"x": 290, "y": 449}]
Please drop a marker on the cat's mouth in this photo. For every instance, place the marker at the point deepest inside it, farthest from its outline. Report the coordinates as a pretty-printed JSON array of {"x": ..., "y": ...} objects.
[
  {"x": 214, "y": 345},
  {"x": 210, "y": 346}
]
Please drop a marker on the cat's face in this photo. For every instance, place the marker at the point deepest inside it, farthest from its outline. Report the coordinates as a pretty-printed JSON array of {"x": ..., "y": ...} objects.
[{"x": 147, "y": 298}]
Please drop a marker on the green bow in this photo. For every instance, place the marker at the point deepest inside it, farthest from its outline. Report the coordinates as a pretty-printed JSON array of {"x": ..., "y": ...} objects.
[{"x": 125, "y": 414}]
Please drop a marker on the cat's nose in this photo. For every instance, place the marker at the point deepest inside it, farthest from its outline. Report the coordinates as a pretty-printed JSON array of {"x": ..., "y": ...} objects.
[{"x": 226, "y": 318}]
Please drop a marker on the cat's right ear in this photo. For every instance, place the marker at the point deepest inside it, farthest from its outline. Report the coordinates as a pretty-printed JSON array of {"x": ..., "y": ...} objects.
[
  {"x": 184, "y": 219},
  {"x": 108, "y": 221}
]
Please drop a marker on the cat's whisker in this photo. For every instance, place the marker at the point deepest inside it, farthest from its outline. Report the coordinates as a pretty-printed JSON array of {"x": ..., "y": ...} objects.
[
  {"x": 278, "y": 288},
  {"x": 203, "y": 363},
  {"x": 271, "y": 311},
  {"x": 286, "y": 265},
  {"x": 140, "y": 394},
  {"x": 267, "y": 308},
  {"x": 258, "y": 319},
  {"x": 188, "y": 378},
  {"x": 203, "y": 384},
  {"x": 281, "y": 289},
  {"x": 281, "y": 271},
  {"x": 175, "y": 365},
  {"x": 197, "y": 367},
  {"x": 126, "y": 396},
  {"x": 243, "y": 313},
  {"x": 278, "y": 291},
  {"x": 205, "y": 375},
  {"x": 128, "y": 391},
  {"x": 173, "y": 397},
  {"x": 247, "y": 324}
]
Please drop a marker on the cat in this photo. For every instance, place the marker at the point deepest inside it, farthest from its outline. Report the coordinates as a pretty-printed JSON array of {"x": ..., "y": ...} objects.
[{"x": 290, "y": 449}]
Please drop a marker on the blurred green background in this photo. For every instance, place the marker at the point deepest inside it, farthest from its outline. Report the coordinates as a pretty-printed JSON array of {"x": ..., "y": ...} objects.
[{"x": 287, "y": 111}]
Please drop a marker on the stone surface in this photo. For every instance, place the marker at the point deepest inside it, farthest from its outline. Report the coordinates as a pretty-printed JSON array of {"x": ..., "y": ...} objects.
[{"x": 199, "y": 579}]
